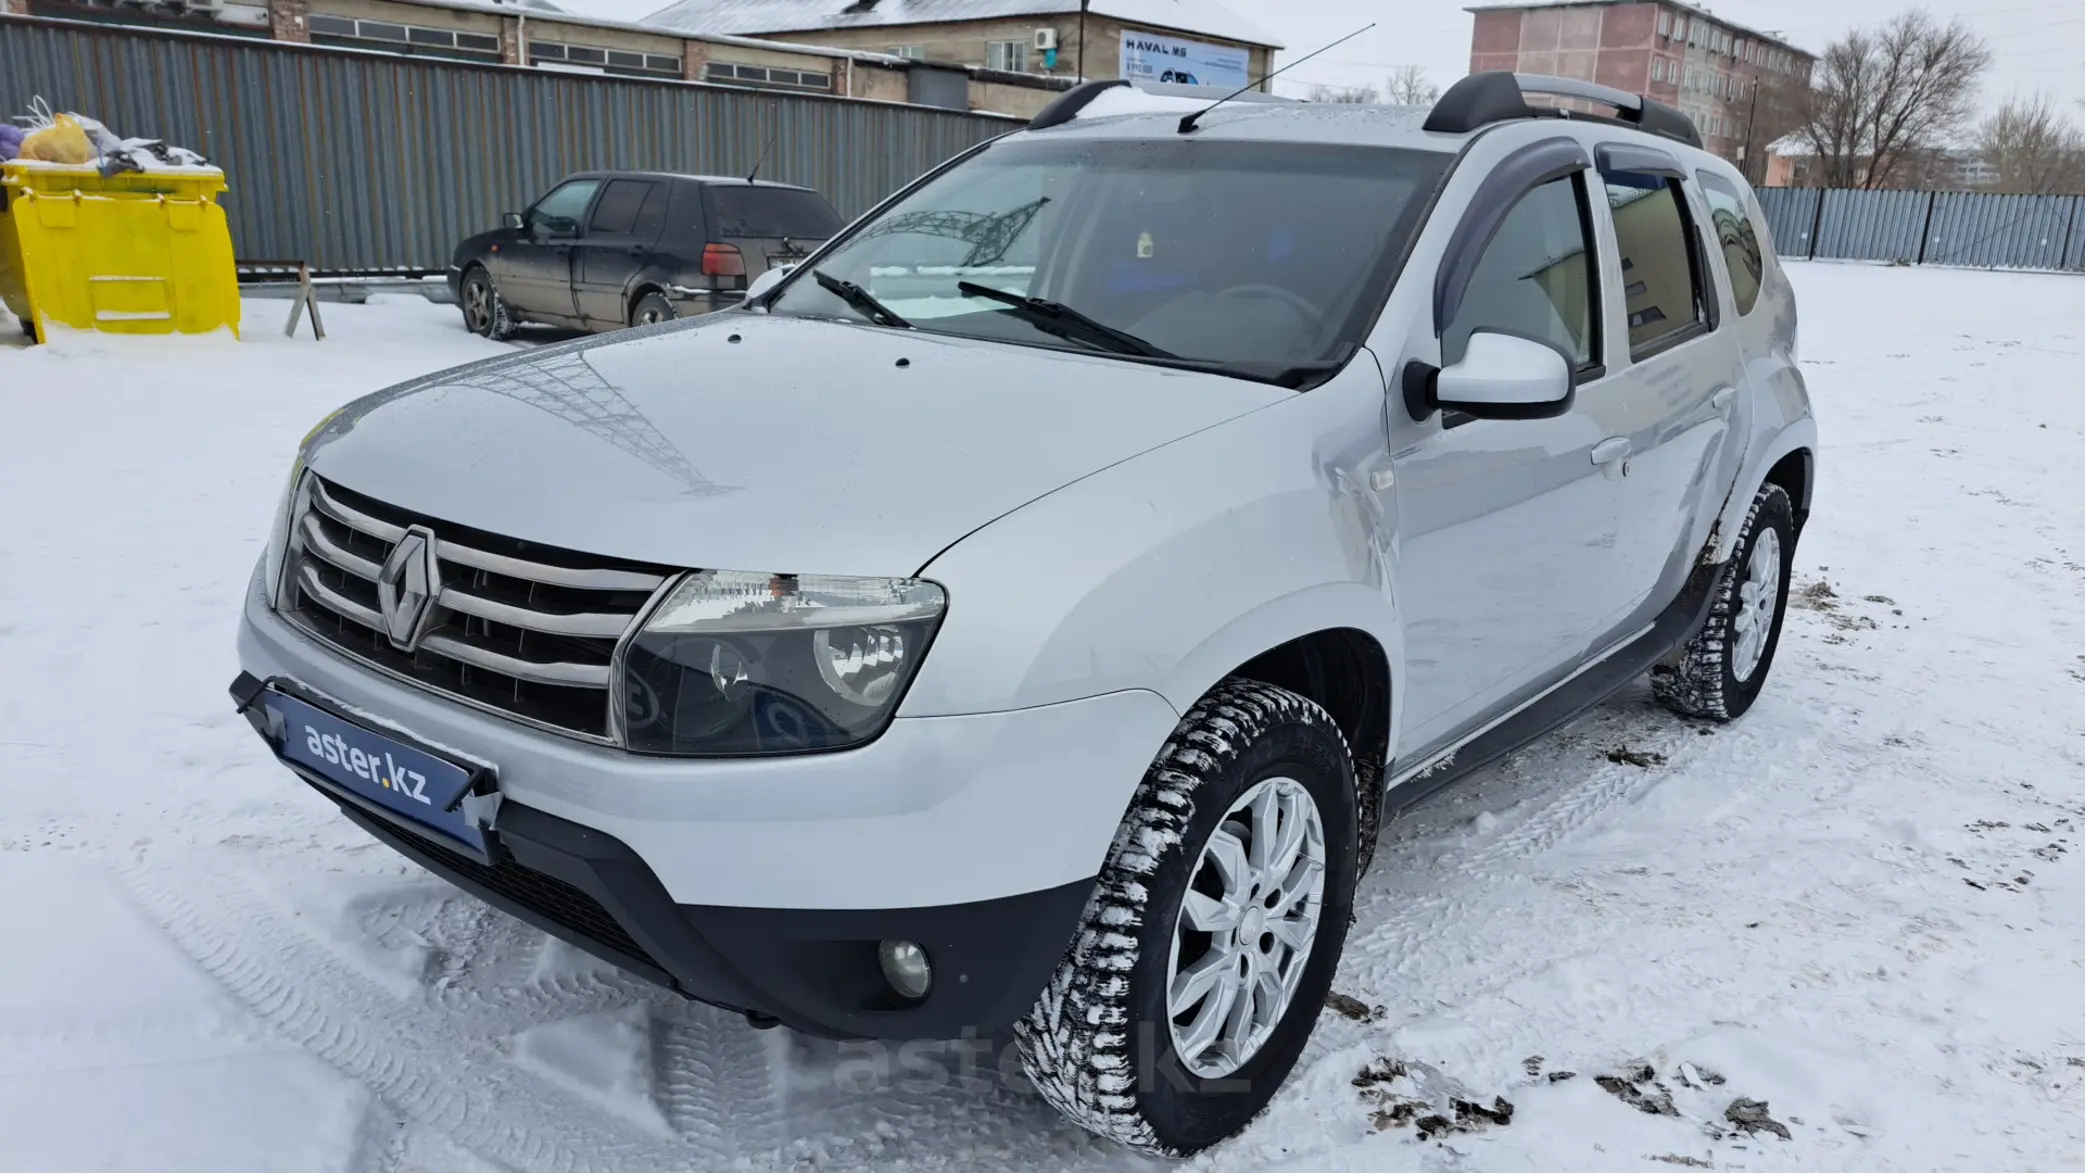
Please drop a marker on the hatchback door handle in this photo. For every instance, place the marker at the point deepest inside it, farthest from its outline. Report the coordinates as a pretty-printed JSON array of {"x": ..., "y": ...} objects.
[
  {"x": 1721, "y": 399},
  {"x": 1611, "y": 449}
]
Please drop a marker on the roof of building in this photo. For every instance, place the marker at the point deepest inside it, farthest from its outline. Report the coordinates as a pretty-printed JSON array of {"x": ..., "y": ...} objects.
[
  {"x": 1203, "y": 17},
  {"x": 1690, "y": 9}
]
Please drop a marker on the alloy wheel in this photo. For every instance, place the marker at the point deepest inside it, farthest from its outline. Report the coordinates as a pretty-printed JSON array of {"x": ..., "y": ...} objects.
[
  {"x": 1244, "y": 934},
  {"x": 1758, "y": 598}
]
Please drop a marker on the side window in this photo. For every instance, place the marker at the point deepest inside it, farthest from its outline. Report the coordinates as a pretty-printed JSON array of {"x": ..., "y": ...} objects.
[
  {"x": 652, "y": 216},
  {"x": 615, "y": 214},
  {"x": 1738, "y": 237},
  {"x": 558, "y": 213},
  {"x": 1662, "y": 280},
  {"x": 1534, "y": 279}
]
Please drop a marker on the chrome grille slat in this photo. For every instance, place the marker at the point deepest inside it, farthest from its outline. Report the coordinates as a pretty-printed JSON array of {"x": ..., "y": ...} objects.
[
  {"x": 598, "y": 625},
  {"x": 508, "y": 631},
  {"x": 565, "y": 576},
  {"x": 316, "y": 541},
  {"x": 338, "y": 603},
  {"x": 569, "y": 675}
]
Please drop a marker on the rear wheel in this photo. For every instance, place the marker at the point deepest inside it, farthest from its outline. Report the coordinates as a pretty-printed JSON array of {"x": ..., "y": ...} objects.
[
  {"x": 1208, "y": 947},
  {"x": 651, "y": 309},
  {"x": 1720, "y": 672},
  {"x": 484, "y": 314}
]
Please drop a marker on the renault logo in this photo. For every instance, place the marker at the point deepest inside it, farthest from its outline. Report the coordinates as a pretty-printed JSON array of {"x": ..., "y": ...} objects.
[{"x": 407, "y": 587}]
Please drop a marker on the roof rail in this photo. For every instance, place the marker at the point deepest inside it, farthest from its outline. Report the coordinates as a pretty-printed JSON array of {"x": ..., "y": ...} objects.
[
  {"x": 1484, "y": 98},
  {"x": 1148, "y": 97}
]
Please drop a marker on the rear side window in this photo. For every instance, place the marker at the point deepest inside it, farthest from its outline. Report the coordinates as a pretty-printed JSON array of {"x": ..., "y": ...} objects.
[
  {"x": 1534, "y": 279},
  {"x": 617, "y": 211},
  {"x": 773, "y": 212},
  {"x": 1662, "y": 280},
  {"x": 1738, "y": 237}
]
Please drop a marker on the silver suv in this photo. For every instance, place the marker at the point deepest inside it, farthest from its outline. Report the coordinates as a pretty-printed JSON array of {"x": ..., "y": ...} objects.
[{"x": 1025, "y": 613}]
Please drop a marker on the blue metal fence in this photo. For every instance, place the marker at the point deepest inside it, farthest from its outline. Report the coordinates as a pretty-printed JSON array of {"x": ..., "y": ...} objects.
[
  {"x": 364, "y": 162},
  {"x": 1969, "y": 228}
]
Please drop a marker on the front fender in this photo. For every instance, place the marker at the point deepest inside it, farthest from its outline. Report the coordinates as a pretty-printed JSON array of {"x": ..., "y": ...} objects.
[{"x": 1168, "y": 571}]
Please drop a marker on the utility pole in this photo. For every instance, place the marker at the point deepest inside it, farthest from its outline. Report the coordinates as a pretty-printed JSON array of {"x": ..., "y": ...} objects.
[
  {"x": 1752, "y": 148},
  {"x": 1083, "y": 5}
]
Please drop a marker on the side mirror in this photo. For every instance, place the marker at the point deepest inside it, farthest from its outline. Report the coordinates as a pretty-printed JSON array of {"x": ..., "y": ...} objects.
[
  {"x": 766, "y": 282},
  {"x": 1500, "y": 377},
  {"x": 512, "y": 221}
]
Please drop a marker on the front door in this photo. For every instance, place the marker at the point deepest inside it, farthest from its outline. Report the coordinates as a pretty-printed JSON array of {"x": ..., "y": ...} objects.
[
  {"x": 618, "y": 243},
  {"x": 535, "y": 271},
  {"x": 1506, "y": 560}
]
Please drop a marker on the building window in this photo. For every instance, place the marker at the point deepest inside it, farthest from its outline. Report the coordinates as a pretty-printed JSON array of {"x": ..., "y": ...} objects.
[
  {"x": 909, "y": 52},
  {"x": 340, "y": 30},
  {"x": 1007, "y": 56},
  {"x": 766, "y": 77},
  {"x": 1679, "y": 28},
  {"x": 607, "y": 60},
  {"x": 1657, "y": 69},
  {"x": 1665, "y": 24}
]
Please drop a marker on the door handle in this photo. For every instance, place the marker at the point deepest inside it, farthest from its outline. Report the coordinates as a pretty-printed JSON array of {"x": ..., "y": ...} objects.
[
  {"x": 1722, "y": 398},
  {"x": 636, "y": 250},
  {"x": 1611, "y": 449}
]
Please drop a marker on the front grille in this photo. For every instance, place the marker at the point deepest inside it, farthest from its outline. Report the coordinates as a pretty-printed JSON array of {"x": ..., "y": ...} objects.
[
  {"x": 545, "y": 895},
  {"x": 516, "y": 627}
]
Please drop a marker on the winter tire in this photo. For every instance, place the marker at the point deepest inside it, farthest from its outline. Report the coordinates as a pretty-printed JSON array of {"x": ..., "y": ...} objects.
[
  {"x": 651, "y": 309},
  {"x": 1208, "y": 947},
  {"x": 484, "y": 313},
  {"x": 1719, "y": 673}
]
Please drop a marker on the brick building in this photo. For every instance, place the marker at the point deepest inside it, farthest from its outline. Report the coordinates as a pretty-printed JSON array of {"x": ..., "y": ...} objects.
[
  {"x": 1155, "y": 39},
  {"x": 1733, "y": 82}
]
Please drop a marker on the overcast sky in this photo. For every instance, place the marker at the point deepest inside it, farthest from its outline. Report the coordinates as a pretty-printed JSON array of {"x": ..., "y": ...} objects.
[{"x": 2035, "y": 43}]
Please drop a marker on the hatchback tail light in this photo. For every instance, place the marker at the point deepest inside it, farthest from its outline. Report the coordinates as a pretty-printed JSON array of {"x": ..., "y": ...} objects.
[{"x": 723, "y": 260}]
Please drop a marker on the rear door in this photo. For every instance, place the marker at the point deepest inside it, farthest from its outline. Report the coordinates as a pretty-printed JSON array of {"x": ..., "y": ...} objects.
[
  {"x": 1672, "y": 399},
  {"x": 770, "y": 225},
  {"x": 535, "y": 270},
  {"x": 620, "y": 236}
]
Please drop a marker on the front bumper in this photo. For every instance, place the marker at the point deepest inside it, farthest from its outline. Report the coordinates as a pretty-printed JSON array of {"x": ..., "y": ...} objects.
[{"x": 765, "y": 884}]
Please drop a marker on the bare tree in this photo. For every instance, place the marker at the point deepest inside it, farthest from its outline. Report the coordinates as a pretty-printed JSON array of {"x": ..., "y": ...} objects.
[
  {"x": 1409, "y": 86},
  {"x": 2034, "y": 147},
  {"x": 1883, "y": 96},
  {"x": 1346, "y": 95}
]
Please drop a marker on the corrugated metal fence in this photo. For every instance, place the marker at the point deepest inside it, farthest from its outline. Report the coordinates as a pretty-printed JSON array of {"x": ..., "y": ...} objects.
[
  {"x": 371, "y": 162},
  {"x": 1970, "y": 228}
]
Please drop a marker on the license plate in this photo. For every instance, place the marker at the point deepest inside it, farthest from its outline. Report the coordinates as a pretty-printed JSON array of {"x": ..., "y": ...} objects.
[{"x": 380, "y": 769}]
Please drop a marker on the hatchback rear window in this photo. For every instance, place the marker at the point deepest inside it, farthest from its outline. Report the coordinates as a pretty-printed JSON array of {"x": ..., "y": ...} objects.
[{"x": 773, "y": 212}]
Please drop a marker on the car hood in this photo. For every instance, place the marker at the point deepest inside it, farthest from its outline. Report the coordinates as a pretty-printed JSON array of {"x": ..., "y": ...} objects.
[{"x": 746, "y": 442}]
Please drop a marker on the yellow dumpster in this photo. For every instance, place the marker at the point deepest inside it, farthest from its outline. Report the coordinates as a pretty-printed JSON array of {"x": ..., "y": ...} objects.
[{"x": 133, "y": 253}]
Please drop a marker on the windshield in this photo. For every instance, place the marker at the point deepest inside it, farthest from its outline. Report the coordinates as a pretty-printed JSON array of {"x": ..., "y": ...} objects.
[
  {"x": 773, "y": 211},
  {"x": 1212, "y": 253}
]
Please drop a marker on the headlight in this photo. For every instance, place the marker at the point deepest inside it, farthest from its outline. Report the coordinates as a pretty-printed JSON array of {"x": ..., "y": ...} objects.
[{"x": 737, "y": 663}]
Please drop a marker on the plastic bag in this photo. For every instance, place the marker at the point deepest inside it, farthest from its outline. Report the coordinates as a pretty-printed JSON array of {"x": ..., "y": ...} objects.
[
  {"x": 11, "y": 137},
  {"x": 104, "y": 142},
  {"x": 61, "y": 142}
]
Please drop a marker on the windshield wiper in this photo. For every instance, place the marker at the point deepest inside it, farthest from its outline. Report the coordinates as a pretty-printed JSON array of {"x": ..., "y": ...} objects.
[
  {"x": 1057, "y": 318},
  {"x": 861, "y": 299}
]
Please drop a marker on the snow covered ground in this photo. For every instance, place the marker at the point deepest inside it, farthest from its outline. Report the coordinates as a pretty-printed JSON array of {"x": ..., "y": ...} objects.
[{"x": 1863, "y": 905}]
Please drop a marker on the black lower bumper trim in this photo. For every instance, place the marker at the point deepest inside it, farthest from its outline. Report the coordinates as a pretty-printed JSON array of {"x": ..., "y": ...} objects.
[{"x": 813, "y": 970}]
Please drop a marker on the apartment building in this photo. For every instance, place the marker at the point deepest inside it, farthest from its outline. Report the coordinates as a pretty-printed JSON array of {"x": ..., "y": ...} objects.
[{"x": 1732, "y": 81}]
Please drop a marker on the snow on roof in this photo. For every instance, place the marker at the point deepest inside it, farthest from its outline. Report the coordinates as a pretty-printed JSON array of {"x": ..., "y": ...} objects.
[{"x": 1204, "y": 17}]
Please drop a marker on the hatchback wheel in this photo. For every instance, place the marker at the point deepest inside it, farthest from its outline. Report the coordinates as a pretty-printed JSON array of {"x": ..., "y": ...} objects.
[
  {"x": 1719, "y": 673},
  {"x": 1208, "y": 947}
]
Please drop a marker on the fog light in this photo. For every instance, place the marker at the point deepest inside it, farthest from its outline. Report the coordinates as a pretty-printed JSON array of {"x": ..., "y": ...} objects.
[{"x": 906, "y": 968}]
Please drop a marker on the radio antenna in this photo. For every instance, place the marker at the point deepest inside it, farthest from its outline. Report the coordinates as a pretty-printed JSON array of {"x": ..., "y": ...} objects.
[
  {"x": 762, "y": 161},
  {"x": 1187, "y": 124}
]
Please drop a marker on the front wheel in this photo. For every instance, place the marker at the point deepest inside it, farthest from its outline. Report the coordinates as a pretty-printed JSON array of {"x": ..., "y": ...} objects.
[
  {"x": 484, "y": 314},
  {"x": 1208, "y": 946},
  {"x": 1719, "y": 673}
]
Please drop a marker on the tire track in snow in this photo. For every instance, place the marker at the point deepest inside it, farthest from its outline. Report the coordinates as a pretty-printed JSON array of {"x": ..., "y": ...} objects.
[{"x": 436, "y": 1068}]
